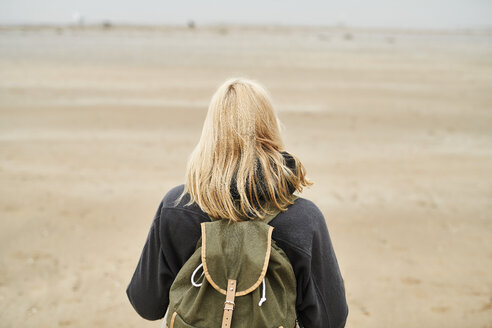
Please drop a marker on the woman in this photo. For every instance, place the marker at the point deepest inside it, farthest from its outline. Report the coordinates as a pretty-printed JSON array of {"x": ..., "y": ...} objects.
[{"x": 240, "y": 171}]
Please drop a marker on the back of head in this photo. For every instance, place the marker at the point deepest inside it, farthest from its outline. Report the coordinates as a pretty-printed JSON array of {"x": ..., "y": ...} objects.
[{"x": 238, "y": 169}]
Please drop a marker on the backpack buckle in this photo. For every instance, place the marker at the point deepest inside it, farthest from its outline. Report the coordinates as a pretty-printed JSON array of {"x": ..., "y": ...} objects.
[{"x": 230, "y": 303}]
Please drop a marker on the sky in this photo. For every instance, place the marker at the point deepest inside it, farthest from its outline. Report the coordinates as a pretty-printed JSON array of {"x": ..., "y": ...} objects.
[{"x": 375, "y": 13}]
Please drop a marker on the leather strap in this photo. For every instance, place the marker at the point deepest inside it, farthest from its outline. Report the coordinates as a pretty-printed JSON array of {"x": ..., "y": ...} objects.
[{"x": 229, "y": 303}]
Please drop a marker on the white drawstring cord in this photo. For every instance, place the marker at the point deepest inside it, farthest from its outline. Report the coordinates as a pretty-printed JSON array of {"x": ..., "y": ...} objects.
[
  {"x": 193, "y": 276},
  {"x": 263, "y": 298}
]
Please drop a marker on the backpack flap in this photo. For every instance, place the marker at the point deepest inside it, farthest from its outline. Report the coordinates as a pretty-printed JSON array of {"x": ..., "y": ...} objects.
[{"x": 239, "y": 251}]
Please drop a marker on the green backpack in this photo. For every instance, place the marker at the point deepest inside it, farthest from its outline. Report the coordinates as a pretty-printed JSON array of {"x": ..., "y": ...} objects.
[{"x": 236, "y": 278}]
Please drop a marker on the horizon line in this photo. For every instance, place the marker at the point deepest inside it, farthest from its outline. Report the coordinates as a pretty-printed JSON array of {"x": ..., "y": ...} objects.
[{"x": 108, "y": 24}]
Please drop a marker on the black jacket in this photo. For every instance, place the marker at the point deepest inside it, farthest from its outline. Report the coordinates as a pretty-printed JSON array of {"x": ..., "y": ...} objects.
[{"x": 300, "y": 231}]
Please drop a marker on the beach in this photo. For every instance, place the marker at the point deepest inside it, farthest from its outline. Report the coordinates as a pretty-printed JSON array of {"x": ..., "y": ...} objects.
[{"x": 394, "y": 128}]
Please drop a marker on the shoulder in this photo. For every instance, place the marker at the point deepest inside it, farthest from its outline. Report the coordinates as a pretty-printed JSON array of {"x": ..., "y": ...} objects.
[
  {"x": 298, "y": 225},
  {"x": 170, "y": 202},
  {"x": 172, "y": 195},
  {"x": 307, "y": 209},
  {"x": 179, "y": 223},
  {"x": 302, "y": 213},
  {"x": 178, "y": 226},
  {"x": 177, "y": 211}
]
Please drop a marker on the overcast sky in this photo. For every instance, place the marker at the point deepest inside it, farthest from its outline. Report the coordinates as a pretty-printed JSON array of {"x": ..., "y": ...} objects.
[{"x": 374, "y": 13}]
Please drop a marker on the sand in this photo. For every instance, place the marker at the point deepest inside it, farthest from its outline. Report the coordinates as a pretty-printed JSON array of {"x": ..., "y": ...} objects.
[{"x": 394, "y": 127}]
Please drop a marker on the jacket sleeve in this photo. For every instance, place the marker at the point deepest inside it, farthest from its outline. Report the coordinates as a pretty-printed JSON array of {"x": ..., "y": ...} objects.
[
  {"x": 149, "y": 287},
  {"x": 322, "y": 303}
]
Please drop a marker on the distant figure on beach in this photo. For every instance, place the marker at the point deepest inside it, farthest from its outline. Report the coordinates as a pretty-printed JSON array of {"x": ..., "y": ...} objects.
[{"x": 240, "y": 172}]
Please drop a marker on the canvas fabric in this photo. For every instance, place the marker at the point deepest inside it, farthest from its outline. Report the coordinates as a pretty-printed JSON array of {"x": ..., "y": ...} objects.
[{"x": 244, "y": 252}]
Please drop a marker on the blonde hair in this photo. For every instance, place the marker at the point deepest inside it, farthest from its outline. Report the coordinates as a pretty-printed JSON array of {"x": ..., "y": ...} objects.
[{"x": 240, "y": 149}]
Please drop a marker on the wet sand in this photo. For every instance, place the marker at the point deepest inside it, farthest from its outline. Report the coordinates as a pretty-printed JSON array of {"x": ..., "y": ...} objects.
[{"x": 394, "y": 127}]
